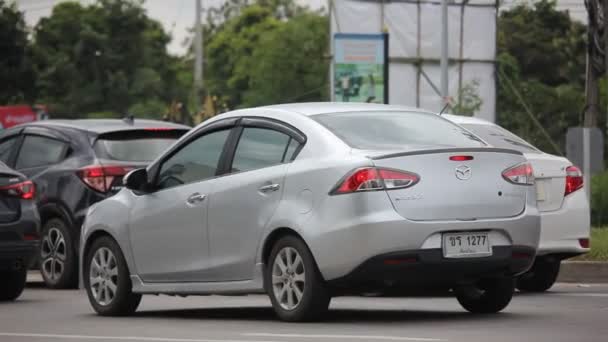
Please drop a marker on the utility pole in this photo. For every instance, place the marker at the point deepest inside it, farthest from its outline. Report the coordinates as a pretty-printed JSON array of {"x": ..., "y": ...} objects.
[
  {"x": 198, "y": 50},
  {"x": 444, "y": 52}
]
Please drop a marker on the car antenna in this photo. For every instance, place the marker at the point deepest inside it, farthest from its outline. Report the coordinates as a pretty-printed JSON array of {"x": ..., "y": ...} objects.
[
  {"x": 447, "y": 104},
  {"x": 129, "y": 119}
]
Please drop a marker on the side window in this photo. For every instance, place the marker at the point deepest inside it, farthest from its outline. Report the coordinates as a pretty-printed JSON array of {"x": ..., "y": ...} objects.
[
  {"x": 258, "y": 148},
  {"x": 291, "y": 149},
  {"x": 39, "y": 151},
  {"x": 197, "y": 161},
  {"x": 6, "y": 149}
]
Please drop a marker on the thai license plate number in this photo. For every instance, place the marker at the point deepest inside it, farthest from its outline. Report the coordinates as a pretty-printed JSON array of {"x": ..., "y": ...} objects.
[{"x": 466, "y": 245}]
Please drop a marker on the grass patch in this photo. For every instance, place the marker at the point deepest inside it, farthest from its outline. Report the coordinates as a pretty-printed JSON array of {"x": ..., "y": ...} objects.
[{"x": 599, "y": 246}]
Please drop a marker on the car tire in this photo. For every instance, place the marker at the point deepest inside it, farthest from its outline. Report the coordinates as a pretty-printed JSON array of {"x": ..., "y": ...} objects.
[
  {"x": 486, "y": 296},
  {"x": 12, "y": 284},
  {"x": 57, "y": 257},
  {"x": 110, "y": 294},
  {"x": 291, "y": 272},
  {"x": 540, "y": 277}
]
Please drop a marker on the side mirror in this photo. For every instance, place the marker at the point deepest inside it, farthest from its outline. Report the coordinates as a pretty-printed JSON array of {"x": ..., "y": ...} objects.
[{"x": 136, "y": 180}]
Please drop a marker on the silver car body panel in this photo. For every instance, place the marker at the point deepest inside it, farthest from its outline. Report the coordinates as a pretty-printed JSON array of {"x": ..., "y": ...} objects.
[{"x": 341, "y": 231}]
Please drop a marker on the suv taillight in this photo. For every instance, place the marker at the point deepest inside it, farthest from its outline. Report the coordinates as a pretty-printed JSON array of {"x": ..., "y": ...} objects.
[
  {"x": 371, "y": 178},
  {"x": 24, "y": 190},
  {"x": 521, "y": 174},
  {"x": 574, "y": 179},
  {"x": 100, "y": 178}
]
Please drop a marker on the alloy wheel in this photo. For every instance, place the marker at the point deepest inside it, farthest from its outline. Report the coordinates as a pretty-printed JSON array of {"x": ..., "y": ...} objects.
[
  {"x": 53, "y": 254},
  {"x": 288, "y": 278},
  {"x": 103, "y": 276}
]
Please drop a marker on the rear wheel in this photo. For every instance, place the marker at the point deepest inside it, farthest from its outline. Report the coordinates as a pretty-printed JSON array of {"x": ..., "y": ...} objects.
[
  {"x": 540, "y": 277},
  {"x": 293, "y": 282},
  {"x": 12, "y": 284},
  {"x": 487, "y": 295},
  {"x": 58, "y": 264},
  {"x": 107, "y": 280}
]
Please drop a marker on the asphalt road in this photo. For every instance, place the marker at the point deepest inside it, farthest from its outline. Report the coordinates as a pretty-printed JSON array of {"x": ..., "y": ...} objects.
[{"x": 567, "y": 313}]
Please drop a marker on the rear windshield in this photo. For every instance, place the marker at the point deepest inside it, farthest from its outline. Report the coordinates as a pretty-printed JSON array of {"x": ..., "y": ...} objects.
[
  {"x": 500, "y": 137},
  {"x": 136, "y": 146},
  {"x": 394, "y": 130}
]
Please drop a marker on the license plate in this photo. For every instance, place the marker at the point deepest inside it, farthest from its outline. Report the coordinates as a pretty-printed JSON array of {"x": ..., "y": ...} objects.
[
  {"x": 540, "y": 191},
  {"x": 466, "y": 245}
]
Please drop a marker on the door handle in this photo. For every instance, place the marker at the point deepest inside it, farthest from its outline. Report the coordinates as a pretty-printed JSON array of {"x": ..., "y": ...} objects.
[
  {"x": 195, "y": 198},
  {"x": 269, "y": 188}
]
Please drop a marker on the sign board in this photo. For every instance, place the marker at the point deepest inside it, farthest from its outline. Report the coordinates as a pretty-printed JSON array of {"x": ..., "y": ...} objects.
[
  {"x": 575, "y": 149},
  {"x": 360, "y": 67},
  {"x": 14, "y": 115}
]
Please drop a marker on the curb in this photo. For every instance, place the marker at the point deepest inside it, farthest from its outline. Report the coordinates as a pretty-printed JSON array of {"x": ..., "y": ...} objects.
[{"x": 583, "y": 272}]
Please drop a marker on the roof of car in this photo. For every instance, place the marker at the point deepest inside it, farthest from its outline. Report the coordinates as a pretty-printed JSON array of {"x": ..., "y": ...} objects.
[
  {"x": 101, "y": 126},
  {"x": 317, "y": 108},
  {"x": 461, "y": 119}
]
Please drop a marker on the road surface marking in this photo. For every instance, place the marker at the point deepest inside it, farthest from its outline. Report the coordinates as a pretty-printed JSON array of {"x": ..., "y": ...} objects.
[
  {"x": 358, "y": 337},
  {"x": 120, "y": 338},
  {"x": 583, "y": 294}
]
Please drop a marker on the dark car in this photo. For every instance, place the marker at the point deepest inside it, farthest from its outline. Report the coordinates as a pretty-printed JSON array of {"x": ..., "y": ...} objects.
[
  {"x": 19, "y": 231},
  {"x": 74, "y": 164}
]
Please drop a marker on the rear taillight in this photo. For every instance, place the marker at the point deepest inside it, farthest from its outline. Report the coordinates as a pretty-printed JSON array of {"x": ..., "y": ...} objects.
[
  {"x": 100, "y": 178},
  {"x": 521, "y": 174},
  {"x": 371, "y": 178},
  {"x": 574, "y": 179},
  {"x": 25, "y": 190}
]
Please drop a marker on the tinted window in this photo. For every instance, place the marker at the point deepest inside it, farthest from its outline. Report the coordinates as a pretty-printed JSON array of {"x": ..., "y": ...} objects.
[
  {"x": 197, "y": 161},
  {"x": 137, "y": 146},
  {"x": 258, "y": 148},
  {"x": 39, "y": 151},
  {"x": 6, "y": 148},
  {"x": 500, "y": 137},
  {"x": 394, "y": 130},
  {"x": 291, "y": 149}
]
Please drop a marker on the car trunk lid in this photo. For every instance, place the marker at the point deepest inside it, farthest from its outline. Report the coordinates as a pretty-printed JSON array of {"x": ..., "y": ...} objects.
[
  {"x": 456, "y": 189},
  {"x": 550, "y": 174},
  {"x": 10, "y": 206}
]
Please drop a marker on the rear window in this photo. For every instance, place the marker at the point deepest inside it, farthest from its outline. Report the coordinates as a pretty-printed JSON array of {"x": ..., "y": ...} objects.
[
  {"x": 500, "y": 137},
  {"x": 135, "y": 146},
  {"x": 394, "y": 130}
]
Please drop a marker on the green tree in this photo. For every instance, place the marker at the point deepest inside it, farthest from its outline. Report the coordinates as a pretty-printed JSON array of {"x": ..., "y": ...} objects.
[
  {"x": 542, "y": 60},
  {"x": 266, "y": 52},
  {"x": 108, "y": 56},
  {"x": 16, "y": 75}
]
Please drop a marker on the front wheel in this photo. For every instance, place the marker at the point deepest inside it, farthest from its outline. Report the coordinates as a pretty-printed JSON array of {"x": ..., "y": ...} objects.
[
  {"x": 107, "y": 280},
  {"x": 487, "y": 295},
  {"x": 540, "y": 278},
  {"x": 12, "y": 284},
  {"x": 293, "y": 282}
]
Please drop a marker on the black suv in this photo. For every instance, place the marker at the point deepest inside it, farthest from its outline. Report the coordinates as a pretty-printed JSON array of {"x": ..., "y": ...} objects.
[
  {"x": 19, "y": 231},
  {"x": 74, "y": 164}
]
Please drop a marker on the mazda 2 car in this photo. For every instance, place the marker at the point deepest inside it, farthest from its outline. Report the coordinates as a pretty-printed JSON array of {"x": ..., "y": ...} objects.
[
  {"x": 561, "y": 200},
  {"x": 309, "y": 201},
  {"x": 73, "y": 164},
  {"x": 19, "y": 231}
]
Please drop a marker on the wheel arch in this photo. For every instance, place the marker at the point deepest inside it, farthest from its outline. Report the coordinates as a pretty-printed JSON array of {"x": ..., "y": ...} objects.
[{"x": 273, "y": 237}]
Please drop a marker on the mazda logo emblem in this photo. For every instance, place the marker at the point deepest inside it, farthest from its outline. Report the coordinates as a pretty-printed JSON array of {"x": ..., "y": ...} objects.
[{"x": 463, "y": 172}]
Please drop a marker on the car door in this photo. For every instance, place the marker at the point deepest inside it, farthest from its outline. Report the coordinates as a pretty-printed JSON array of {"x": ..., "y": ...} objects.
[
  {"x": 168, "y": 226},
  {"x": 245, "y": 199}
]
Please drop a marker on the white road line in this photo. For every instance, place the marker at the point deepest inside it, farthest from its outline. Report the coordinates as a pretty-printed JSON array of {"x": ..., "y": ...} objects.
[
  {"x": 358, "y": 337},
  {"x": 119, "y": 338}
]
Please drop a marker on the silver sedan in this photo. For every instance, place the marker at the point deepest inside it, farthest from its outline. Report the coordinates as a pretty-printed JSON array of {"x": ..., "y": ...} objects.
[{"x": 309, "y": 201}]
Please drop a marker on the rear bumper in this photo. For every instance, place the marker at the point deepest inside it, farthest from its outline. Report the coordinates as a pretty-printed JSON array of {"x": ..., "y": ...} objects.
[
  {"x": 17, "y": 254},
  {"x": 561, "y": 229},
  {"x": 428, "y": 269}
]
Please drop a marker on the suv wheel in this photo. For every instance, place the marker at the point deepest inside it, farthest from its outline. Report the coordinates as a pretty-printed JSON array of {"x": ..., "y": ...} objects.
[
  {"x": 487, "y": 295},
  {"x": 293, "y": 282},
  {"x": 540, "y": 278},
  {"x": 58, "y": 264},
  {"x": 12, "y": 284},
  {"x": 107, "y": 280}
]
